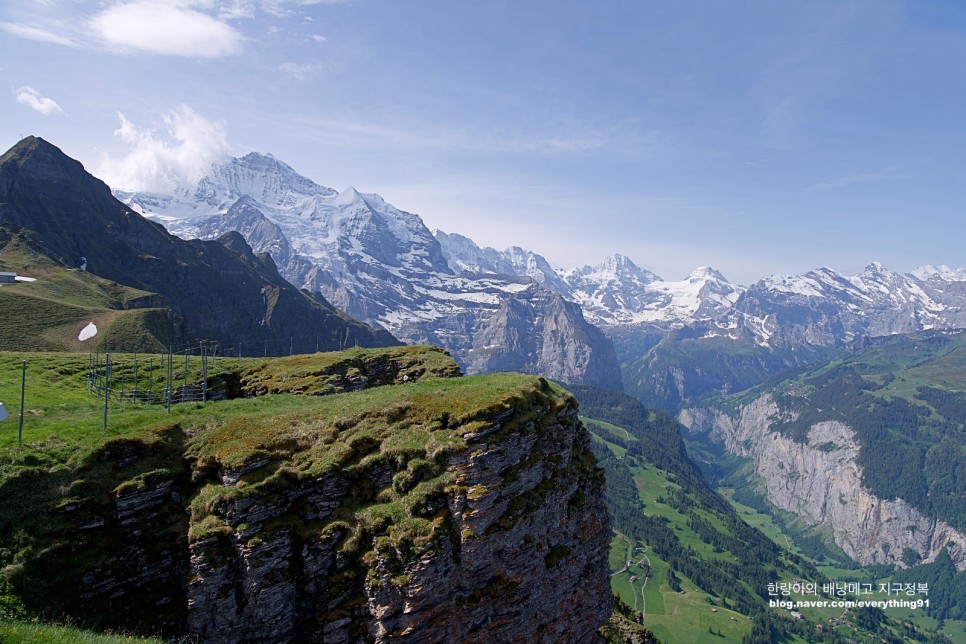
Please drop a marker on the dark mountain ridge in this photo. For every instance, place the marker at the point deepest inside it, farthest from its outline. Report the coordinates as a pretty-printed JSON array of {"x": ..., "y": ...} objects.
[{"x": 221, "y": 289}]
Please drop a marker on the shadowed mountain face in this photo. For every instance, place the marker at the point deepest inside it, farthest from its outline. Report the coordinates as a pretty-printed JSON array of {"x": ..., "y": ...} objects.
[{"x": 220, "y": 289}]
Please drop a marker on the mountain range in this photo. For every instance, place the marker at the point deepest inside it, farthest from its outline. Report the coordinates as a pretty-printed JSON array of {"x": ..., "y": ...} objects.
[
  {"x": 613, "y": 324},
  {"x": 383, "y": 266}
]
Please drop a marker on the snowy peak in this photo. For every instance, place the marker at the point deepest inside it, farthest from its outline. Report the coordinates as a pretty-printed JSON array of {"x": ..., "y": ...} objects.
[
  {"x": 825, "y": 308},
  {"x": 264, "y": 164},
  {"x": 526, "y": 262},
  {"x": 616, "y": 268},
  {"x": 264, "y": 178},
  {"x": 706, "y": 274},
  {"x": 941, "y": 272},
  {"x": 349, "y": 197},
  {"x": 618, "y": 292},
  {"x": 382, "y": 265},
  {"x": 462, "y": 254}
]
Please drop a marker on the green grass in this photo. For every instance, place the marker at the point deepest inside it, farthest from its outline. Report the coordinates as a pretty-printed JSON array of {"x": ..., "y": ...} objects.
[
  {"x": 59, "y": 409},
  {"x": 47, "y": 314},
  {"x": 31, "y": 633},
  {"x": 672, "y": 616},
  {"x": 759, "y": 520}
]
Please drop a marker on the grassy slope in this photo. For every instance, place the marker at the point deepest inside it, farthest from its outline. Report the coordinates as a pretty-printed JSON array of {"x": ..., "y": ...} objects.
[
  {"x": 33, "y": 633},
  {"x": 672, "y": 616},
  {"x": 49, "y": 313}
]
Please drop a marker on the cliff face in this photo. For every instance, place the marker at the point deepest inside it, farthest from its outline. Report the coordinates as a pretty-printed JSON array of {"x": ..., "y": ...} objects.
[
  {"x": 435, "y": 509},
  {"x": 538, "y": 331},
  {"x": 821, "y": 482}
]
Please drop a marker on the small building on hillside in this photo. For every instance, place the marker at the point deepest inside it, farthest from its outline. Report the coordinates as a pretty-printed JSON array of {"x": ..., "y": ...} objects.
[{"x": 7, "y": 278}]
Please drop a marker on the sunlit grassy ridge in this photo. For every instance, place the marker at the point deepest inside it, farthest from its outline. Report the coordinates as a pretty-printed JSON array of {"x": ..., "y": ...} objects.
[{"x": 409, "y": 430}]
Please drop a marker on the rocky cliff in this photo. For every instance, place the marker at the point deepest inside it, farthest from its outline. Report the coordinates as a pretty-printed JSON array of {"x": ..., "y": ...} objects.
[
  {"x": 821, "y": 482},
  {"x": 426, "y": 509}
]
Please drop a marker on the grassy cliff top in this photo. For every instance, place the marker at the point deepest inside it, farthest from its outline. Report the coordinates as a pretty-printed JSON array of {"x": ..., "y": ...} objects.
[
  {"x": 64, "y": 420},
  {"x": 379, "y": 424},
  {"x": 291, "y": 431}
]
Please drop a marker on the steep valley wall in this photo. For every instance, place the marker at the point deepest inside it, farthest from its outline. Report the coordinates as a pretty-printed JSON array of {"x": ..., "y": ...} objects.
[{"x": 821, "y": 482}]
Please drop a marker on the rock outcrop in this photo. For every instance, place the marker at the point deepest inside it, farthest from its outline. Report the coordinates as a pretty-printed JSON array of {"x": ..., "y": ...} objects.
[
  {"x": 432, "y": 509},
  {"x": 821, "y": 482},
  {"x": 539, "y": 331}
]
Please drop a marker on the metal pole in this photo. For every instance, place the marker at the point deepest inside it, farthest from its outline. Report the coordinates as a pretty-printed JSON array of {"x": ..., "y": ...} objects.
[
  {"x": 204, "y": 374},
  {"x": 168, "y": 391},
  {"x": 23, "y": 386},
  {"x": 107, "y": 386}
]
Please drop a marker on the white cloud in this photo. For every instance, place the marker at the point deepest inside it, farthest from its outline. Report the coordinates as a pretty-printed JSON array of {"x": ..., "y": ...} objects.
[
  {"x": 280, "y": 7},
  {"x": 174, "y": 28},
  {"x": 299, "y": 71},
  {"x": 236, "y": 9},
  {"x": 319, "y": 38},
  {"x": 178, "y": 157},
  {"x": 30, "y": 97},
  {"x": 30, "y": 32}
]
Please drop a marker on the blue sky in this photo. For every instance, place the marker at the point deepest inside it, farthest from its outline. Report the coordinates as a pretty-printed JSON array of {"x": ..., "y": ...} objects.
[{"x": 757, "y": 137}]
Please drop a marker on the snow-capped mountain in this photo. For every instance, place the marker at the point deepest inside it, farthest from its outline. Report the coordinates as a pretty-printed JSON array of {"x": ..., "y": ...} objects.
[
  {"x": 382, "y": 265},
  {"x": 613, "y": 293},
  {"x": 511, "y": 310},
  {"x": 825, "y": 308},
  {"x": 463, "y": 255},
  {"x": 619, "y": 293}
]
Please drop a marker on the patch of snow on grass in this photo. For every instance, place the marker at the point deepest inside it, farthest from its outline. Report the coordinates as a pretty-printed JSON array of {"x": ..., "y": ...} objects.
[{"x": 87, "y": 332}]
